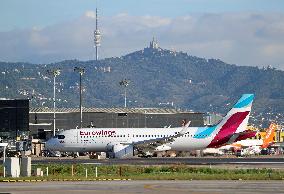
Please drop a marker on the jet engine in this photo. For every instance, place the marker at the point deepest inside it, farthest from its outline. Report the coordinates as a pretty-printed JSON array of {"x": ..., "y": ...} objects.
[{"x": 123, "y": 151}]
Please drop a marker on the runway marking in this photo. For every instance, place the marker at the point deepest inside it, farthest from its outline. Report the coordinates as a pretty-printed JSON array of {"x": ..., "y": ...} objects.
[
  {"x": 167, "y": 188},
  {"x": 148, "y": 186}
]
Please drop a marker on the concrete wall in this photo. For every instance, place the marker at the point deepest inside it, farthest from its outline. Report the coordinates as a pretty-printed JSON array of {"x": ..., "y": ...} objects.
[
  {"x": 12, "y": 166},
  {"x": 26, "y": 166}
]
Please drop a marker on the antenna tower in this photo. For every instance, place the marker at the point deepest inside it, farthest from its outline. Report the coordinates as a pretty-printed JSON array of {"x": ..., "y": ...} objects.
[{"x": 97, "y": 37}]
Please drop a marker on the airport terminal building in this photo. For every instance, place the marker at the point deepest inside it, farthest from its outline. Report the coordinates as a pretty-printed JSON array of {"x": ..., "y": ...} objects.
[{"x": 14, "y": 117}]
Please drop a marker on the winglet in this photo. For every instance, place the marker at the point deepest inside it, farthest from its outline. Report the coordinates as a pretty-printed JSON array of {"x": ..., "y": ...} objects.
[
  {"x": 184, "y": 129},
  {"x": 187, "y": 124}
]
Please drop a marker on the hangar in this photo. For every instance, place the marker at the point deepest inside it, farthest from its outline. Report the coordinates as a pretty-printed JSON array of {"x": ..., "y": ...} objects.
[{"x": 16, "y": 118}]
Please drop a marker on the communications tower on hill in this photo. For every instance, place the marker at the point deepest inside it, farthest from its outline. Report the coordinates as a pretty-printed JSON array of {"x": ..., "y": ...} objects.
[{"x": 97, "y": 36}]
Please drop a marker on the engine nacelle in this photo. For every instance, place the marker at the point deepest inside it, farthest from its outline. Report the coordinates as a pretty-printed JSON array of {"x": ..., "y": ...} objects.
[
  {"x": 163, "y": 148},
  {"x": 123, "y": 151}
]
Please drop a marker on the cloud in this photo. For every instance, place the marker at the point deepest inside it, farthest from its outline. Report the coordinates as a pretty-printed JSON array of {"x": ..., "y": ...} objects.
[
  {"x": 90, "y": 14},
  {"x": 241, "y": 38},
  {"x": 37, "y": 39}
]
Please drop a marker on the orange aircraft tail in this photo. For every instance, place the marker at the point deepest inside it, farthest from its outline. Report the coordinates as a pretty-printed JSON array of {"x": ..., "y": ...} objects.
[{"x": 268, "y": 140}]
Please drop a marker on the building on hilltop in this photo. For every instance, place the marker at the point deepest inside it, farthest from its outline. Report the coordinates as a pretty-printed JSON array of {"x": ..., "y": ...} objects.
[{"x": 154, "y": 44}]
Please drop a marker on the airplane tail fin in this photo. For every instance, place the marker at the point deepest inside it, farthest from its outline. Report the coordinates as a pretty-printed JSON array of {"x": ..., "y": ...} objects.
[
  {"x": 234, "y": 122},
  {"x": 268, "y": 140}
]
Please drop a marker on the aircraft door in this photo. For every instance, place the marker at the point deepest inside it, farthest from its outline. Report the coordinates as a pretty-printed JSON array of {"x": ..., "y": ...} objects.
[{"x": 76, "y": 136}]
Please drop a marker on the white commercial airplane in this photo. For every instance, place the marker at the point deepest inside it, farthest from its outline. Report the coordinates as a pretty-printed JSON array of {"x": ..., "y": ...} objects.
[{"x": 123, "y": 142}]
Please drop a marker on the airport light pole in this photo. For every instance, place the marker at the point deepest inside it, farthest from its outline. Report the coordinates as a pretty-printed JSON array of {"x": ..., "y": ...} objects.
[
  {"x": 124, "y": 83},
  {"x": 81, "y": 71},
  {"x": 54, "y": 73}
]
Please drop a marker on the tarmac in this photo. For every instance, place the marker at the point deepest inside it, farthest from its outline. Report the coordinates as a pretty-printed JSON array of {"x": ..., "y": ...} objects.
[{"x": 156, "y": 187}]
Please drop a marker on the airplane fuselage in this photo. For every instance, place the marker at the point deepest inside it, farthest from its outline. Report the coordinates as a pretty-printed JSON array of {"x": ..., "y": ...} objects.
[{"x": 99, "y": 139}]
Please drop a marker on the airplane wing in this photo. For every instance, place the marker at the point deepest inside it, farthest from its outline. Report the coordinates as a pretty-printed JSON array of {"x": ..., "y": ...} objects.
[{"x": 152, "y": 144}]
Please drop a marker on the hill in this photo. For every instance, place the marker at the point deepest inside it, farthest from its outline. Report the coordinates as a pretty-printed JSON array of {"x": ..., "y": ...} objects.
[{"x": 158, "y": 78}]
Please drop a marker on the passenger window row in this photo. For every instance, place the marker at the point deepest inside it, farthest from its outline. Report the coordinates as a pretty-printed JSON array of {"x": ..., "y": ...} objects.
[{"x": 62, "y": 136}]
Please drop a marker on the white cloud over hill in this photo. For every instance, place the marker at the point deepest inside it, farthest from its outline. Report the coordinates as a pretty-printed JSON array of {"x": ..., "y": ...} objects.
[{"x": 242, "y": 38}]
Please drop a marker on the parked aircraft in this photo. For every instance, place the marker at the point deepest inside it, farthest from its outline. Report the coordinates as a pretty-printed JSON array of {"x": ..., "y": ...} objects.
[
  {"x": 247, "y": 146},
  {"x": 254, "y": 146},
  {"x": 125, "y": 142}
]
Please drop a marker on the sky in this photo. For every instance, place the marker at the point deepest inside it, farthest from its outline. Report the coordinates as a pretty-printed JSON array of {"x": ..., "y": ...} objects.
[{"x": 242, "y": 32}]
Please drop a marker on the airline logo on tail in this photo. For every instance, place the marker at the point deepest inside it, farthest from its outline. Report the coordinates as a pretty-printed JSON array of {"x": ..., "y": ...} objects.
[
  {"x": 234, "y": 122},
  {"x": 268, "y": 140}
]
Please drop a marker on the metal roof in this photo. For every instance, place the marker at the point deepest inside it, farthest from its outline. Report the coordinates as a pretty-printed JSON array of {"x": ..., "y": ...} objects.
[{"x": 113, "y": 110}]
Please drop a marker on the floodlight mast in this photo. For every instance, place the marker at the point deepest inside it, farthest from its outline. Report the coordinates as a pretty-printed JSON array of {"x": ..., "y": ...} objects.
[
  {"x": 124, "y": 83},
  {"x": 81, "y": 71},
  {"x": 54, "y": 73}
]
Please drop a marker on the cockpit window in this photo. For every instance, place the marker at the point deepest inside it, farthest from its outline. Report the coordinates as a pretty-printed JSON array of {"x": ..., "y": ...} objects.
[{"x": 61, "y": 136}]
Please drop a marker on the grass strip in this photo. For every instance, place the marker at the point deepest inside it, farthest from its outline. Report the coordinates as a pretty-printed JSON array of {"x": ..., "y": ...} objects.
[{"x": 166, "y": 172}]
